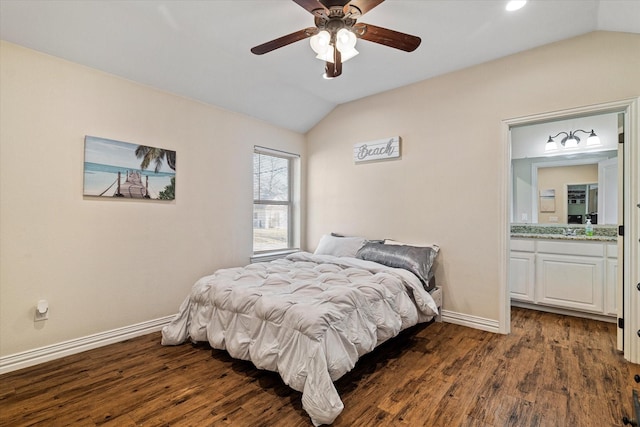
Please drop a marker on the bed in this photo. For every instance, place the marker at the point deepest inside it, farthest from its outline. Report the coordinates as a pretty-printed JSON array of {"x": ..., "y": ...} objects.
[{"x": 310, "y": 316}]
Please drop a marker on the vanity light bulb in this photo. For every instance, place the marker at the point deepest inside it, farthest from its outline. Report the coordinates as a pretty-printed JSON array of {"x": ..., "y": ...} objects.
[
  {"x": 551, "y": 145},
  {"x": 571, "y": 143},
  {"x": 593, "y": 140}
]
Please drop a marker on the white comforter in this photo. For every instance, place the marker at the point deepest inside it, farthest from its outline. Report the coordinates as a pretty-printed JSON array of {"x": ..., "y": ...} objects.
[{"x": 307, "y": 317}]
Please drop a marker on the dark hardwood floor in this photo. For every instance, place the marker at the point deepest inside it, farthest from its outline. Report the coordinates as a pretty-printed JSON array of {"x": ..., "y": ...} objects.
[{"x": 552, "y": 370}]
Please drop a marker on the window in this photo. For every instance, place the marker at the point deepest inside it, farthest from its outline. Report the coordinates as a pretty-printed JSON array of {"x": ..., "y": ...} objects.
[{"x": 272, "y": 200}]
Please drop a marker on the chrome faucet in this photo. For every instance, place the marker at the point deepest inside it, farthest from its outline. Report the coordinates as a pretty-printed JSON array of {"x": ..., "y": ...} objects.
[{"x": 568, "y": 232}]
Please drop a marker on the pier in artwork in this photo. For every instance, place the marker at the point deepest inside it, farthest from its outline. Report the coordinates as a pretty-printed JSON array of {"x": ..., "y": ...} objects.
[{"x": 132, "y": 187}]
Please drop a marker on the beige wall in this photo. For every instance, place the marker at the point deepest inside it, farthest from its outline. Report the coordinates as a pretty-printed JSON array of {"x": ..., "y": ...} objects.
[
  {"x": 105, "y": 264},
  {"x": 557, "y": 178},
  {"x": 448, "y": 186},
  {"x": 108, "y": 264}
]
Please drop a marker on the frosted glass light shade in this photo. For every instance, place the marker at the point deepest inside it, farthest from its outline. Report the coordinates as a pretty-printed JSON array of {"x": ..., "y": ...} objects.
[
  {"x": 348, "y": 54},
  {"x": 551, "y": 145},
  {"x": 345, "y": 40},
  {"x": 593, "y": 140},
  {"x": 327, "y": 55},
  {"x": 320, "y": 42},
  {"x": 346, "y": 44},
  {"x": 571, "y": 142}
]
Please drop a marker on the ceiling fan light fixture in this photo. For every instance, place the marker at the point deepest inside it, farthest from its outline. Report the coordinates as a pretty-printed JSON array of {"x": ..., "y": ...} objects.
[
  {"x": 336, "y": 32},
  {"x": 320, "y": 42},
  {"x": 324, "y": 48}
]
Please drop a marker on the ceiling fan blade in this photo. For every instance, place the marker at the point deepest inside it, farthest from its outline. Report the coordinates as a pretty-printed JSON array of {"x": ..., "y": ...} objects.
[
  {"x": 310, "y": 5},
  {"x": 387, "y": 37},
  {"x": 333, "y": 3},
  {"x": 365, "y": 5},
  {"x": 284, "y": 40}
]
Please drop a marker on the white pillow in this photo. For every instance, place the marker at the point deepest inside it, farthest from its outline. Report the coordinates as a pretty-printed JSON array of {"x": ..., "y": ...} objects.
[
  {"x": 394, "y": 242},
  {"x": 339, "y": 246}
]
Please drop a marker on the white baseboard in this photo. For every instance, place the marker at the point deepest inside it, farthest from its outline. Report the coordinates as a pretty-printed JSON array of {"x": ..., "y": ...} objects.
[
  {"x": 16, "y": 361},
  {"x": 470, "y": 321}
]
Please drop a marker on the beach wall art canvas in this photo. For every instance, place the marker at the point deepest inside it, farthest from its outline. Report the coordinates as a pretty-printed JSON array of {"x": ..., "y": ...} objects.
[{"x": 120, "y": 169}]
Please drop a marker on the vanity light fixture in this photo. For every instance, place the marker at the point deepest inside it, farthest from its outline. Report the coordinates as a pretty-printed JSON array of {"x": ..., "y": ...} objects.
[{"x": 571, "y": 140}]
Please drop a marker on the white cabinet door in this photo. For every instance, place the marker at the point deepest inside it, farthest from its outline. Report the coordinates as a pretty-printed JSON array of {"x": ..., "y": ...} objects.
[
  {"x": 575, "y": 282},
  {"x": 522, "y": 276}
]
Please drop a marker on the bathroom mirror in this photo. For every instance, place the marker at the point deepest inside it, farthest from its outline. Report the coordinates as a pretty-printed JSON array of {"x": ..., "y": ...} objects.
[{"x": 563, "y": 189}]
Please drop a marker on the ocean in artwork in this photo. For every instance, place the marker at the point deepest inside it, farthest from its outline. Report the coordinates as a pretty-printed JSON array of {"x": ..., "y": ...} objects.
[{"x": 101, "y": 180}]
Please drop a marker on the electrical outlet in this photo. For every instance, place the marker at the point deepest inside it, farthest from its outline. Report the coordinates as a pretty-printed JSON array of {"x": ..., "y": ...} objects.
[{"x": 42, "y": 311}]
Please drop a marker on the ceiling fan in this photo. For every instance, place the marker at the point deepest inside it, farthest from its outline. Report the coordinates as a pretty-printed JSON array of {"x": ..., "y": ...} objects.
[{"x": 336, "y": 31}]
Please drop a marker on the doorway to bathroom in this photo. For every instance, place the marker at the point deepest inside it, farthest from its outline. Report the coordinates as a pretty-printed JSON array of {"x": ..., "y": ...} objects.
[{"x": 552, "y": 261}]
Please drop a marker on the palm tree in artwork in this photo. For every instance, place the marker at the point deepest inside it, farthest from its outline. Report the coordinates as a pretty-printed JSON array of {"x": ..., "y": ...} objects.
[{"x": 155, "y": 155}]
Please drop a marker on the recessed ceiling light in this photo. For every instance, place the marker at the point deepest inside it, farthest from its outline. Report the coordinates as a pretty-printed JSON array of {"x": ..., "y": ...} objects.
[{"x": 515, "y": 5}]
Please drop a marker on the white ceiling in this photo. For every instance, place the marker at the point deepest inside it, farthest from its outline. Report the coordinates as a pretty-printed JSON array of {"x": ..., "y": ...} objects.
[{"x": 200, "y": 49}]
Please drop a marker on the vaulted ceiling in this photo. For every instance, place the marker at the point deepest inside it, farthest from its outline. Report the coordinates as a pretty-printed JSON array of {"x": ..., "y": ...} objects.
[{"x": 201, "y": 49}]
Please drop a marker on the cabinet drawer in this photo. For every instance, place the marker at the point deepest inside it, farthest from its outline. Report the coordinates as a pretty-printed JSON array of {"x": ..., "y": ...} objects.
[
  {"x": 595, "y": 249},
  {"x": 523, "y": 245}
]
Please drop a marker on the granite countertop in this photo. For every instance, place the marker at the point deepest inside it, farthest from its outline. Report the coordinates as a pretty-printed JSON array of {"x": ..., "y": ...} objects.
[
  {"x": 601, "y": 233},
  {"x": 580, "y": 237}
]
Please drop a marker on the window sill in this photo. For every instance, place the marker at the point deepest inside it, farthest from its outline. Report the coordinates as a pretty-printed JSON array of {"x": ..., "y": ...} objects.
[{"x": 270, "y": 256}]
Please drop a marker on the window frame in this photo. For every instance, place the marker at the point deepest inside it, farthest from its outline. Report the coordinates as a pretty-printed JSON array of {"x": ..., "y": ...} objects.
[{"x": 290, "y": 203}]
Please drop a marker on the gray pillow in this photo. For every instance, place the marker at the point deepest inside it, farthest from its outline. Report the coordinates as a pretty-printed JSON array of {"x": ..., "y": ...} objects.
[
  {"x": 418, "y": 260},
  {"x": 339, "y": 246}
]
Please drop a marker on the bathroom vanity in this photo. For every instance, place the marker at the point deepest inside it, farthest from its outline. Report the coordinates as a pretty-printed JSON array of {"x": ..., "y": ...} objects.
[{"x": 560, "y": 269}]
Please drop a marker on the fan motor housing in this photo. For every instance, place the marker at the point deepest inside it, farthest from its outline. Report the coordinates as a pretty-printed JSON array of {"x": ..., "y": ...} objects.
[{"x": 336, "y": 19}]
